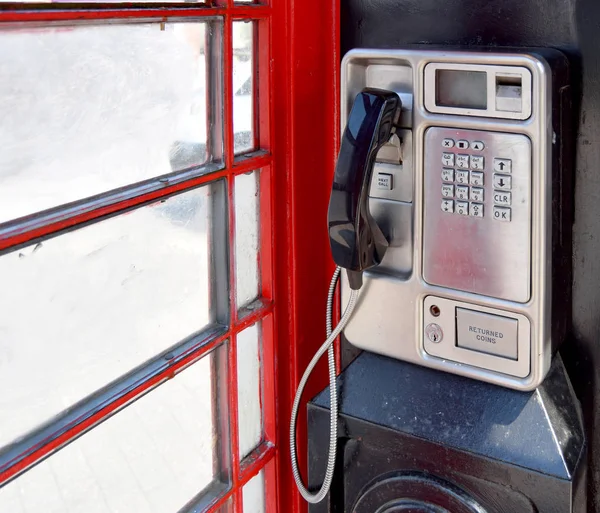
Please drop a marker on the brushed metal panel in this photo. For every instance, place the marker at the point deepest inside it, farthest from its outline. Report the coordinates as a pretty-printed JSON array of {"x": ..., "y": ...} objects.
[{"x": 479, "y": 254}]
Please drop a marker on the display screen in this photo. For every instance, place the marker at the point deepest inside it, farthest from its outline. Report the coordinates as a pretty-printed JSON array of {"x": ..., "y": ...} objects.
[{"x": 461, "y": 89}]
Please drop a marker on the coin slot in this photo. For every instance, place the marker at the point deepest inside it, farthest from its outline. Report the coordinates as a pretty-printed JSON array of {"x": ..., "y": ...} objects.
[
  {"x": 508, "y": 80},
  {"x": 509, "y": 92}
]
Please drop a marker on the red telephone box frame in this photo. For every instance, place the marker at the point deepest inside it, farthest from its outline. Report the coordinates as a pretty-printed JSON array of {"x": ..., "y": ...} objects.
[{"x": 297, "y": 120}]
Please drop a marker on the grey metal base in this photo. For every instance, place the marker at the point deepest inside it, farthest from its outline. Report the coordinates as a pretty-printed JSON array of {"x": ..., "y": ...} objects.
[{"x": 417, "y": 439}]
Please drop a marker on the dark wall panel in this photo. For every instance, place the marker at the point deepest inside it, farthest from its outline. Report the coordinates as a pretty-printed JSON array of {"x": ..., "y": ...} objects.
[{"x": 574, "y": 27}]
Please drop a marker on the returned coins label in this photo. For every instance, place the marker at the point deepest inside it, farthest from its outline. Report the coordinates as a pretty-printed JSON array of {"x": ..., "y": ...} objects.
[
  {"x": 486, "y": 333},
  {"x": 489, "y": 336}
]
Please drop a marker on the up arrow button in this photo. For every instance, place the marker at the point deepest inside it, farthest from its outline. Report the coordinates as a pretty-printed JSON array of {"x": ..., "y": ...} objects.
[{"x": 503, "y": 165}]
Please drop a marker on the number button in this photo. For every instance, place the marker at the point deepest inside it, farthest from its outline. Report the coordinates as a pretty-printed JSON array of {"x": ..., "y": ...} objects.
[
  {"x": 462, "y": 161},
  {"x": 503, "y": 182},
  {"x": 462, "y": 192},
  {"x": 448, "y": 143},
  {"x": 448, "y": 206},
  {"x": 476, "y": 162},
  {"x": 502, "y": 198},
  {"x": 503, "y": 165},
  {"x": 477, "y": 194},
  {"x": 476, "y": 210},
  {"x": 476, "y": 178},
  {"x": 502, "y": 214},
  {"x": 448, "y": 159},
  {"x": 462, "y": 208},
  {"x": 447, "y": 175},
  {"x": 447, "y": 190},
  {"x": 462, "y": 176}
]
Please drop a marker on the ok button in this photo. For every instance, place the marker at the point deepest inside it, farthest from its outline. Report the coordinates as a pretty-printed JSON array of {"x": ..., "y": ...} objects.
[{"x": 502, "y": 214}]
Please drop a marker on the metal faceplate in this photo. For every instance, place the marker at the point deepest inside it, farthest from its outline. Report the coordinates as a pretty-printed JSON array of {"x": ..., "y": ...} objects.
[
  {"x": 476, "y": 231},
  {"x": 474, "y": 235}
]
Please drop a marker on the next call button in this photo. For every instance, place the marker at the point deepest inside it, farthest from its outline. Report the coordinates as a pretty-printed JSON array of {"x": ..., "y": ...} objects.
[{"x": 486, "y": 333}]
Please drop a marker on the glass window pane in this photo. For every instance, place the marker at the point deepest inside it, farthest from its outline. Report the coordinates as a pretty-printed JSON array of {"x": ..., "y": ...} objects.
[
  {"x": 88, "y": 306},
  {"x": 88, "y": 109},
  {"x": 243, "y": 76},
  {"x": 247, "y": 210},
  {"x": 249, "y": 389},
  {"x": 152, "y": 457},
  {"x": 254, "y": 494}
]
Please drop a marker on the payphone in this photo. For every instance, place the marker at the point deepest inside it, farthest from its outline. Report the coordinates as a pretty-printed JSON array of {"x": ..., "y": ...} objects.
[
  {"x": 450, "y": 212},
  {"x": 476, "y": 207}
]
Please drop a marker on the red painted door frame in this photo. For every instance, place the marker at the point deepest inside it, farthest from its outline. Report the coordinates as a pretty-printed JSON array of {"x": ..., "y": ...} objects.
[{"x": 306, "y": 91}]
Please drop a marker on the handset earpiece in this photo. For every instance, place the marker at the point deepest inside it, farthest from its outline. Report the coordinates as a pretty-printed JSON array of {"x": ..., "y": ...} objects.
[{"x": 357, "y": 243}]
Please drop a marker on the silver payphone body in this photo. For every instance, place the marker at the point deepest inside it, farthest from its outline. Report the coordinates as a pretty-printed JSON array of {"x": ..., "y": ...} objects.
[{"x": 470, "y": 193}]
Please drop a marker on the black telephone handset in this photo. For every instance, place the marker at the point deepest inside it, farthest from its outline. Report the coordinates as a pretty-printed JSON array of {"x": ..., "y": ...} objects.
[{"x": 357, "y": 243}]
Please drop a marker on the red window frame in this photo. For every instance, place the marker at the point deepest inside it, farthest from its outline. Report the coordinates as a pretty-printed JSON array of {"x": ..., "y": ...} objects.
[{"x": 296, "y": 113}]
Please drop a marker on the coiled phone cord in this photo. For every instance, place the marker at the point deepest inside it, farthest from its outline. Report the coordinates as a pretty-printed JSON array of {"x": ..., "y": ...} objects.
[{"x": 313, "y": 498}]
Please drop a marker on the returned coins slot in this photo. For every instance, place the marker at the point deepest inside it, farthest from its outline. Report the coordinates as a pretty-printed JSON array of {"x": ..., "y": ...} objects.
[{"x": 487, "y": 333}]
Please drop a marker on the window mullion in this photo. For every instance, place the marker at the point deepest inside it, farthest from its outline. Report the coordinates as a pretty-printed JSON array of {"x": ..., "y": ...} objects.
[
  {"x": 50, "y": 12},
  {"x": 228, "y": 89}
]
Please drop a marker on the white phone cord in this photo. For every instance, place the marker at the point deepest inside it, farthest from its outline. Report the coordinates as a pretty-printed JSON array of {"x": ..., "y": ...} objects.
[{"x": 313, "y": 498}]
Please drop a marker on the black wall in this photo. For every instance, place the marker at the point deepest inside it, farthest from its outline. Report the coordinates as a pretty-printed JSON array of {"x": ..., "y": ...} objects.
[{"x": 574, "y": 27}]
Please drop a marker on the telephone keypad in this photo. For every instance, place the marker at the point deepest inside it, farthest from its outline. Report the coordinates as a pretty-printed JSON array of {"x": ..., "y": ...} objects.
[
  {"x": 447, "y": 190},
  {"x": 462, "y": 161},
  {"x": 470, "y": 169},
  {"x": 448, "y": 159},
  {"x": 462, "y": 192},
  {"x": 462, "y": 208},
  {"x": 447, "y": 175},
  {"x": 502, "y": 182}
]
